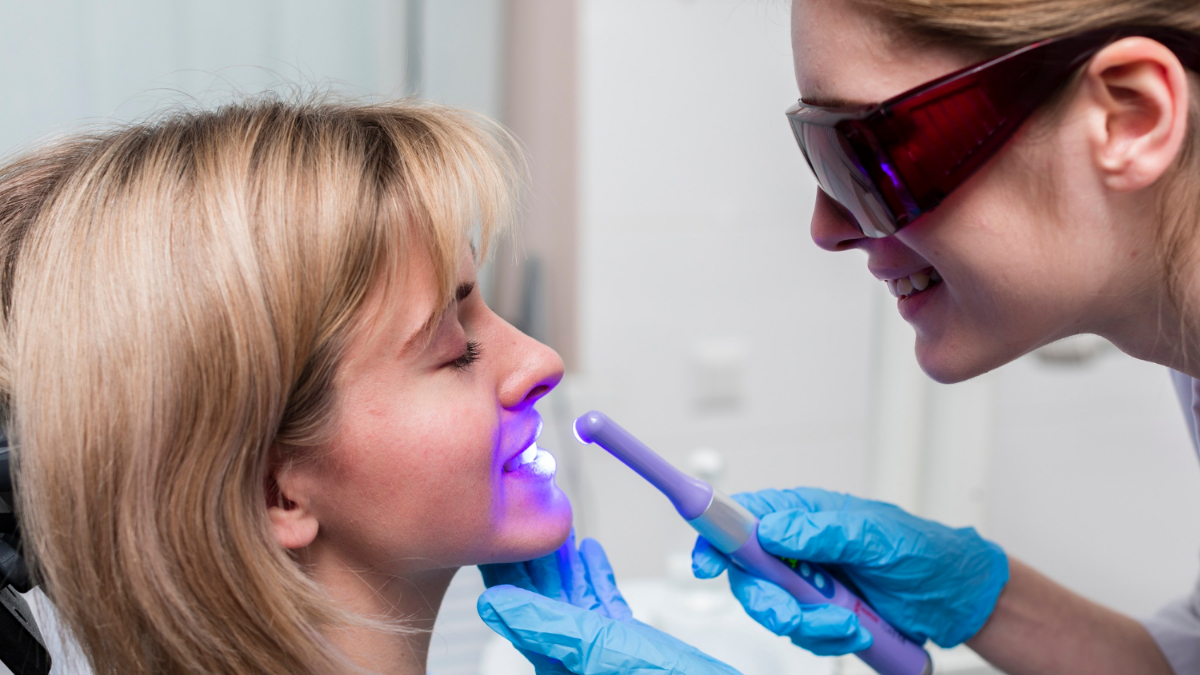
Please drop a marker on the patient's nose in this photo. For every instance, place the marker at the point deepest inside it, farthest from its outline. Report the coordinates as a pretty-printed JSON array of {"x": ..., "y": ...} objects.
[{"x": 535, "y": 369}]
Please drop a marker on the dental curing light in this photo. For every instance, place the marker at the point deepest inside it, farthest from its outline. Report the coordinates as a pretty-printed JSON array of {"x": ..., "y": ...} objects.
[{"x": 733, "y": 530}]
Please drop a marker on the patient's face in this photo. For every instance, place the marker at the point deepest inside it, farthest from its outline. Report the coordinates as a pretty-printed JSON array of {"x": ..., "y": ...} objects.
[{"x": 421, "y": 473}]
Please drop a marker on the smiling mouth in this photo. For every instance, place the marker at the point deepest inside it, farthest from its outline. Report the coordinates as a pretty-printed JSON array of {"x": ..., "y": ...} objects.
[
  {"x": 526, "y": 456},
  {"x": 906, "y": 287}
]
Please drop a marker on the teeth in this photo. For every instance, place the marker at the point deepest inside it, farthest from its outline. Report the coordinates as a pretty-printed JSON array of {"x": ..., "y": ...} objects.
[
  {"x": 915, "y": 283},
  {"x": 527, "y": 455}
]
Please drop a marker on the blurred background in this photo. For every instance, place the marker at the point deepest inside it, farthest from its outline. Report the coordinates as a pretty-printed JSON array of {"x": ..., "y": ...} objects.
[{"x": 664, "y": 252}]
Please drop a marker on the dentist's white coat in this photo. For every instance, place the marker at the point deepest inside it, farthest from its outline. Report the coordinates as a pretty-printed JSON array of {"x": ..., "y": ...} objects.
[{"x": 1176, "y": 627}]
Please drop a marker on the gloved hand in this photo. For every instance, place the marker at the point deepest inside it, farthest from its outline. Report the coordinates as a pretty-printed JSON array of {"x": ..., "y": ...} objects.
[
  {"x": 564, "y": 613},
  {"x": 928, "y": 580}
]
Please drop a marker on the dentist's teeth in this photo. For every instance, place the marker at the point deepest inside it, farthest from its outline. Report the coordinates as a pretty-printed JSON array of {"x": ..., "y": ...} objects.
[{"x": 914, "y": 283}]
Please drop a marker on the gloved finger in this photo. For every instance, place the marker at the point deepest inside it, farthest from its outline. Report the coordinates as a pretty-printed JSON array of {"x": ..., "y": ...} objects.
[
  {"x": 546, "y": 575},
  {"x": 603, "y": 582},
  {"x": 813, "y": 636},
  {"x": 762, "y": 502},
  {"x": 585, "y": 642},
  {"x": 856, "y": 538},
  {"x": 823, "y": 629},
  {"x": 576, "y": 585},
  {"x": 501, "y": 606},
  {"x": 766, "y": 603},
  {"x": 544, "y": 665},
  {"x": 511, "y": 574},
  {"x": 707, "y": 561}
]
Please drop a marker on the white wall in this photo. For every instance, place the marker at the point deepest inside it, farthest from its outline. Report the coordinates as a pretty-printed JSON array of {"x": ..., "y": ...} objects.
[
  {"x": 462, "y": 46},
  {"x": 694, "y": 217},
  {"x": 67, "y": 61},
  {"x": 694, "y": 231}
]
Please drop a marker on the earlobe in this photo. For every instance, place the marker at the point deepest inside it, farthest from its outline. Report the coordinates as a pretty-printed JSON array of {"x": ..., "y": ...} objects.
[
  {"x": 292, "y": 523},
  {"x": 1139, "y": 92}
]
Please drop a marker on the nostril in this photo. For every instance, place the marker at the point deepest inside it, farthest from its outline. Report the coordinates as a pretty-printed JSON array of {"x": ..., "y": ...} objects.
[
  {"x": 833, "y": 227},
  {"x": 537, "y": 392}
]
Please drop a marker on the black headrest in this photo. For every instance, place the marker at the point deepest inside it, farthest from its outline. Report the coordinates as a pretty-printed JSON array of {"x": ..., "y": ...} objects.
[{"x": 5, "y": 478}]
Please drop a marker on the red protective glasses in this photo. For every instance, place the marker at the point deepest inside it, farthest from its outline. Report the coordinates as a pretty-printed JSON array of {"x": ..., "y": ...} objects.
[{"x": 888, "y": 163}]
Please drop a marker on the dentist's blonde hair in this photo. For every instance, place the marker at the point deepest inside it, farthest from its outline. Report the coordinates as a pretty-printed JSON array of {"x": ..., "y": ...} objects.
[{"x": 175, "y": 296}]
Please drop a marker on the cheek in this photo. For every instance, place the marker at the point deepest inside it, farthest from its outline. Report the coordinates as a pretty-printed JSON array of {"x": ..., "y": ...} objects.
[
  {"x": 1006, "y": 291},
  {"x": 1022, "y": 247},
  {"x": 411, "y": 479}
]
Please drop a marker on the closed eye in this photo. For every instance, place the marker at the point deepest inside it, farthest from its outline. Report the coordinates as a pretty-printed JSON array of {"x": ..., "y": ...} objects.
[{"x": 470, "y": 355}]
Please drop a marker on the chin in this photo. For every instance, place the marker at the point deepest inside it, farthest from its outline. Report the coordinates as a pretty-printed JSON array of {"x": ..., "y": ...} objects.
[
  {"x": 534, "y": 533},
  {"x": 946, "y": 365}
]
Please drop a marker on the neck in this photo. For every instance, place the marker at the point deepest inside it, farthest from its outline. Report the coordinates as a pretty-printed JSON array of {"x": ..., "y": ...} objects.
[
  {"x": 1163, "y": 325},
  {"x": 1184, "y": 332},
  {"x": 411, "y": 601}
]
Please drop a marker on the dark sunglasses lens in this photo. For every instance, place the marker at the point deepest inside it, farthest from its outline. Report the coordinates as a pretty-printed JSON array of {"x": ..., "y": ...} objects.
[{"x": 840, "y": 176}]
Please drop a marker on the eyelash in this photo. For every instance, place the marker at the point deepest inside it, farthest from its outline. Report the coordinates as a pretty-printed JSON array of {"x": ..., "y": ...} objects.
[{"x": 469, "y": 356}]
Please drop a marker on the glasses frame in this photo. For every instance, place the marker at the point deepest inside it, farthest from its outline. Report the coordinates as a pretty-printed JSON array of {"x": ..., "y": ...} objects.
[{"x": 890, "y": 163}]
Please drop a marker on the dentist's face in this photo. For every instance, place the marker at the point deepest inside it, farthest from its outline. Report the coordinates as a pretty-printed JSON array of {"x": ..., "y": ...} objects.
[{"x": 1016, "y": 273}]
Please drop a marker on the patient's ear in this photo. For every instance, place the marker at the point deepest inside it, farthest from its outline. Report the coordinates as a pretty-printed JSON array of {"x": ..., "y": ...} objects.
[
  {"x": 1138, "y": 112},
  {"x": 292, "y": 522}
]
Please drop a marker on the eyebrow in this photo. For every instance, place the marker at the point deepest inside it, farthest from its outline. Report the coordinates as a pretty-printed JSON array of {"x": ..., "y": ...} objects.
[
  {"x": 822, "y": 102},
  {"x": 464, "y": 289}
]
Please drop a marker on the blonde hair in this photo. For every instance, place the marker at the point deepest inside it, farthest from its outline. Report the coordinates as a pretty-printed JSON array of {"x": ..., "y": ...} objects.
[
  {"x": 176, "y": 297},
  {"x": 991, "y": 27}
]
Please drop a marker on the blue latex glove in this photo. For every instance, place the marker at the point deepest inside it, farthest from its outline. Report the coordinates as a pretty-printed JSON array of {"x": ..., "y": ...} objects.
[
  {"x": 564, "y": 613},
  {"x": 928, "y": 580}
]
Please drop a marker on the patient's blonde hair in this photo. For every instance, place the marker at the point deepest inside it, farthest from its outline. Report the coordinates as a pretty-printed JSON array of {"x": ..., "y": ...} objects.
[{"x": 175, "y": 298}]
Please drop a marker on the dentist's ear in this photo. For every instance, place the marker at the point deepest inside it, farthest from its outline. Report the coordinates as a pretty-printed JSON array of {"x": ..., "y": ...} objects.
[
  {"x": 292, "y": 522},
  {"x": 1138, "y": 112}
]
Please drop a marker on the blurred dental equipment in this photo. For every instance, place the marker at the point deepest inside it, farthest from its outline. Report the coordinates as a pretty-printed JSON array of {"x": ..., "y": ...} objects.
[{"x": 733, "y": 530}]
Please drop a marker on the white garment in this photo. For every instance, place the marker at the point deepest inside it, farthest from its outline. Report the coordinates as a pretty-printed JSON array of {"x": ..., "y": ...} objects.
[{"x": 1176, "y": 627}]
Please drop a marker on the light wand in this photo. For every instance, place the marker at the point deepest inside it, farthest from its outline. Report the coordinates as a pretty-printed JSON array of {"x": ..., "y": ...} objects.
[{"x": 733, "y": 530}]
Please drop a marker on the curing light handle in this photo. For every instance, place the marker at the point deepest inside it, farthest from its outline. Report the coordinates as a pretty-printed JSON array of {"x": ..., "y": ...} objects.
[{"x": 732, "y": 529}]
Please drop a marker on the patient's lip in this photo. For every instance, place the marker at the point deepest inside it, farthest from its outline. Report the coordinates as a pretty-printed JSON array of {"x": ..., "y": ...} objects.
[{"x": 530, "y": 442}]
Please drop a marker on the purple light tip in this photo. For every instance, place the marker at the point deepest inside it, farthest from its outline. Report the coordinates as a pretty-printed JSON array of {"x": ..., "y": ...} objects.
[{"x": 588, "y": 424}]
